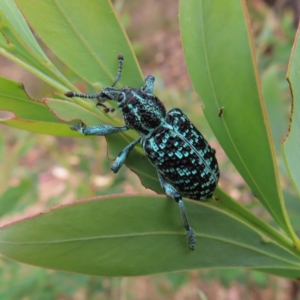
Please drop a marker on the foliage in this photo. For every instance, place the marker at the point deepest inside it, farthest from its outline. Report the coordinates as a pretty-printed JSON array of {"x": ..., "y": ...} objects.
[{"x": 127, "y": 235}]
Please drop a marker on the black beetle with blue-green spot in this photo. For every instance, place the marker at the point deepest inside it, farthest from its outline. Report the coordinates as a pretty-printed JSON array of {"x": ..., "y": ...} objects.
[{"x": 186, "y": 164}]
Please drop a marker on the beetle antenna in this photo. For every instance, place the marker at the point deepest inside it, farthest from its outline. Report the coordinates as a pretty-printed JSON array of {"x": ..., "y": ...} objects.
[{"x": 120, "y": 59}]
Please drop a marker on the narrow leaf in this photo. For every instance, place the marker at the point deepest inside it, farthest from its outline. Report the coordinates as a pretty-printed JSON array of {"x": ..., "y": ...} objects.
[
  {"x": 28, "y": 114},
  {"x": 137, "y": 235},
  {"x": 18, "y": 44},
  {"x": 87, "y": 38},
  {"x": 291, "y": 145},
  {"x": 219, "y": 52}
]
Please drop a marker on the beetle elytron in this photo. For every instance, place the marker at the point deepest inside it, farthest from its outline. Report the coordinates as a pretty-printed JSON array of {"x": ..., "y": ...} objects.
[{"x": 186, "y": 165}]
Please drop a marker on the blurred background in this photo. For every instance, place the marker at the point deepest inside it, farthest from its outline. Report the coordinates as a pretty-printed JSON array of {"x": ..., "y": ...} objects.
[{"x": 38, "y": 171}]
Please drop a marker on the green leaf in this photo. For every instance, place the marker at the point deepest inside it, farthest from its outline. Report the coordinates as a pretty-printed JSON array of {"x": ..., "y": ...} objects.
[
  {"x": 219, "y": 52},
  {"x": 87, "y": 38},
  {"x": 226, "y": 203},
  {"x": 137, "y": 235},
  {"x": 18, "y": 44},
  {"x": 10, "y": 197},
  {"x": 291, "y": 146},
  {"x": 28, "y": 114},
  {"x": 275, "y": 109},
  {"x": 15, "y": 30}
]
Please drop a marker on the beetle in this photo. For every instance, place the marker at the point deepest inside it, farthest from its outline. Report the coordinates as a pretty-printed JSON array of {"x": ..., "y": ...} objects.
[{"x": 186, "y": 164}]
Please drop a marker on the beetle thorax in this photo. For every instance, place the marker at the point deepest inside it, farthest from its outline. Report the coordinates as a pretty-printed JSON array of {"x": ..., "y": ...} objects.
[{"x": 143, "y": 112}]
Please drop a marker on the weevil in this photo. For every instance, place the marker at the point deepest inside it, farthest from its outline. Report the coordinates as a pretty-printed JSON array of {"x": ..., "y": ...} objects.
[{"x": 186, "y": 164}]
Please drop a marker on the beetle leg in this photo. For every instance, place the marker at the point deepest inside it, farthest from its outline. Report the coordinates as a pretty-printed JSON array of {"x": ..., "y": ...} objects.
[
  {"x": 149, "y": 84},
  {"x": 97, "y": 130},
  {"x": 172, "y": 192},
  {"x": 123, "y": 156}
]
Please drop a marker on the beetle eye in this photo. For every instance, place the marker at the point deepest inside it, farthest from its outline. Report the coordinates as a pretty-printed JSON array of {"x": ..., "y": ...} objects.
[{"x": 120, "y": 97}]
